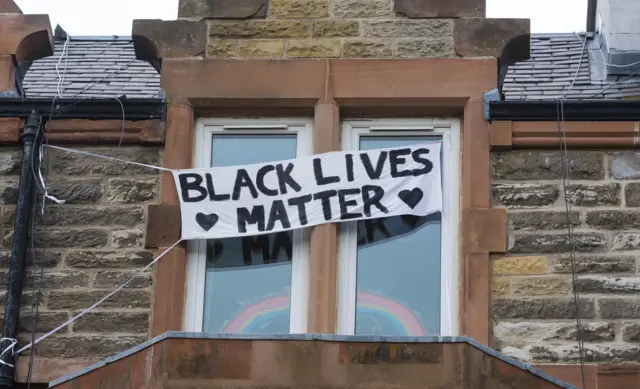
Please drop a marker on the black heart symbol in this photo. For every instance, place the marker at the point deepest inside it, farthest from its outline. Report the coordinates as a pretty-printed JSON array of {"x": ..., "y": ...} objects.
[
  {"x": 206, "y": 221},
  {"x": 411, "y": 197}
]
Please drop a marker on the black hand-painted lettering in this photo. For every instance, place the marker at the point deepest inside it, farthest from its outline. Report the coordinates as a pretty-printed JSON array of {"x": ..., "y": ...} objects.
[
  {"x": 243, "y": 180},
  {"x": 212, "y": 192},
  {"x": 284, "y": 178},
  {"x": 396, "y": 160},
  {"x": 206, "y": 222},
  {"x": 371, "y": 196},
  {"x": 349, "y": 163},
  {"x": 282, "y": 240},
  {"x": 256, "y": 216},
  {"x": 301, "y": 202},
  {"x": 278, "y": 213},
  {"x": 255, "y": 244},
  {"x": 189, "y": 182},
  {"x": 260, "y": 180},
  {"x": 411, "y": 197},
  {"x": 325, "y": 197},
  {"x": 320, "y": 178},
  {"x": 345, "y": 204},
  {"x": 374, "y": 173},
  {"x": 418, "y": 157}
]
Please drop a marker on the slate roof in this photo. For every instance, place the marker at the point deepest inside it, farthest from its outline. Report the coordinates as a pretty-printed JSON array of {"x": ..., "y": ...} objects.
[
  {"x": 555, "y": 60},
  {"x": 96, "y": 67}
]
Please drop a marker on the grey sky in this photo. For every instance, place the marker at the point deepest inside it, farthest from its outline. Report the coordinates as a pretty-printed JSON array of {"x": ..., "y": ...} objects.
[{"x": 113, "y": 17}]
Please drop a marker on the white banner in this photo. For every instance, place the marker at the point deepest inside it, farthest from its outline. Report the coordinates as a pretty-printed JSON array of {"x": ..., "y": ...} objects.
[{"x": 325, "y": 188}]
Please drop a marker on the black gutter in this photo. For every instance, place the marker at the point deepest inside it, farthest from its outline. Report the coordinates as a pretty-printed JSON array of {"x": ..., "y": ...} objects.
[
  {"x": 574, "y": 110},
  {"x": 19, "y": 243},
  {"x": 81, "y": 108}
]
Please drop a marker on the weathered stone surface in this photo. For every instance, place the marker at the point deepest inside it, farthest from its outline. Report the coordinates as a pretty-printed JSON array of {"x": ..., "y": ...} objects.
[
  {"x": 127, "y": 238},
  {"x": 593, "y": 195},
  {"x": 519, "y": 266},
  {"x": 625, "y": 165},
  {"x": 86, "y": 346},
  {"x": 85, "y": 237},
  {"x": 315, "y": 48},
  {"x": 626, "y": 241},
  {"x": 59, "y": 280},
  {"x": 100, "y": 216},
  {"x": 608, "y": 284},
  {"x": 85, "y": 191},
  {"x": 43, "y": 258},
  {"x": 541, "y": 308},
  {"x": 9, "y": 191},
  {"x": 367, "y": 48},
  {"x": 84, "y": 299},
  {"x": 403, "y": 28},
  {"x": 619, "y": 308},
  {"x": 570, "y": 353},
  {"x": 45, "y": 323},
  {"x": 480, "y": 37},
  {"x": 260, "y": 29},
  {"x": 521, "y": 333},
  {"x": 262, "y": 48},
  {"x": 614, "y": 220},
  {"x": 132, "y": 190},
  {"x": 154, "y": 39},
  {"x": 113, "y": 279},
  {"x": 299, "y": 9},
  {"x": 632, "y": 195},
  {"x": 524, "y": 195},
  {"x": 75, "y": 164},
  {"x": 595, "y": 264},
  {"x": 9, "y": 6},
  {"x": 108, "y": 259},
  {"x": 10, "y": 162},
  {"x": 440, "y": 8},
  {"x": 536, "y": 165},
  {"x": 356, "y": 9},
  {"x": 335, "y": 28},
  {"x": 499, "y": 286},
  {"x": 631, "y": 331},
  {"x": 541, "y": 286},
  {"x": 552, "y": 220},
  {"x": 421, "y": 48},
  {"x": 223, "y": 9},
  {"x": 222, "y": 48},
  {"x": 559, "y": 243},
  {"x": 132, "y": 322}
]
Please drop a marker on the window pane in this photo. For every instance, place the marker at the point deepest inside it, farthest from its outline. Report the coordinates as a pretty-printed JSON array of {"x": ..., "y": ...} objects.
[
  {"x": 398, "y": 266},
  {"x": 248, "y": 280}
]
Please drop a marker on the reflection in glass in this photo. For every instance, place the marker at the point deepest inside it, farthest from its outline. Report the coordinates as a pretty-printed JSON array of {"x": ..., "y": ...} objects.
[
  {"x": 398, "y": 266},
  {"x": 248, "y": 280}
]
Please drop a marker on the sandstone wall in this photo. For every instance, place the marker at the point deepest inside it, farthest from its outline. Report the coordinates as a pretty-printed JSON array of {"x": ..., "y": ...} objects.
[
  {"x": 86, "y": 248},
  {"x": 532, "y": 297}
]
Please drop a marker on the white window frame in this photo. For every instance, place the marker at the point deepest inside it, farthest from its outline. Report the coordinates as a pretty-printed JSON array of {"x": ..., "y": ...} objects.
[
  {"x": 449, "y": 129},
  {"x": 196, "y": 266}
]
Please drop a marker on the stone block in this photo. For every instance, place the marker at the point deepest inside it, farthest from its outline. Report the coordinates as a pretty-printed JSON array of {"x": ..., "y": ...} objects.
[
  {"x": 632, "y": 195},
  {"x": 314, "y": 48},
  {"x": 222, "y": 9},
  {"x": 595, "y": 264},
  {"x": 9, "y": 190},
  {"x": 84, "y": 299},
  {"x": 113, "y": 279},
  {"x": 521, "y": 333},
  {"x": 10, "y": 162},
  {"x": 541, "y": 286},
  {"x": 440, "y": 8},
  {"x": 46, "y": 321},
  {"x": 361, "y": 9},
  {"x": 260, "y": 29},
  {"x": 63, "y": 215},
  {"x": 547, "y": 165},
  {"x": 299, "y": 9},
  {"x": 222, "y": 48},
  {"x": 424, "y": 48},
  {"x": 499, "y": 286},
  {"x": 559, "y": 243},
  {"x": 608, "y": 284},
  {"x": 367, "y": 48},
  {"x": 71, "y": 164},
  {"x": 524, "y": 195},
  {"x": 631, "y": 331},
  {"x": 335, "y": 28},
  {"x": 480, "y": 37},
  {"x": 71, "y": 238},
  {"x": 626, "y": 241},
  {"x": 570, "y": 353},
  {"x": 130, "y": 322},
  {"x": 552, "y": 220},
  {"x": 86, "y": 346},
  {"x": 132, "y": 190},
  {"x": 619, "y": 308},
  {"x": 541, "y": 308},
  {"x": 593, "y": 195},
  {"x": 108, "y": 259},
  {"x": 262, "y": 48},
  {"x": 77, "y": 191},
  {"x": 613, "y": 220},
  {"x": 519, "y": 266},
  {"x": 61, "y": 279},
  {"x": 9, "y": 6},
  {"x": 625, "y": 165},
  {"x": 153, "y": 39},
  {"x": 403, "y": 28},
  {"x": 127, "y": 238}
]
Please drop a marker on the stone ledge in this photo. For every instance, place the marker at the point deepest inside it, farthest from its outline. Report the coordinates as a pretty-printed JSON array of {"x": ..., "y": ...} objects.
[{"x": 83, "y": 131}]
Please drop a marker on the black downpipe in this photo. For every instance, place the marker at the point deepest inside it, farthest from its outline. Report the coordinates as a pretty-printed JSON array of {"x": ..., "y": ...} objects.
[{"x": 19, "y": 245}]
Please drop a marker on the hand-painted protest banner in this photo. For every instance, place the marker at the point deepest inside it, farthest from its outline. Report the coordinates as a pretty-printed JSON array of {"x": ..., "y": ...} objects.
[{"x": 325, "y": 188}]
